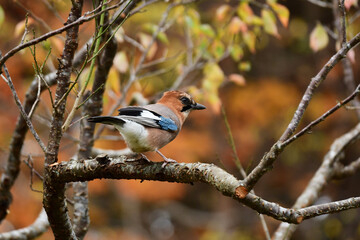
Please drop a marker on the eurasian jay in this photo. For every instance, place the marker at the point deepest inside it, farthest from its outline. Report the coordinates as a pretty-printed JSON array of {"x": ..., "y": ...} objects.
[{"x": 151, "y": 127}]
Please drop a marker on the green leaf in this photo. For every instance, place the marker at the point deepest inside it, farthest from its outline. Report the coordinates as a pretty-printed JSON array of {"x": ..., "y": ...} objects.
[
  {"x": 269, "y": 22},
  {"x": 318, "y": 38},
  {"x": 207, "y": 30},
  {"x": 163, "y": 38},
  {"x": 217, "y": 49},
  {"x": 236, "y": 52}
]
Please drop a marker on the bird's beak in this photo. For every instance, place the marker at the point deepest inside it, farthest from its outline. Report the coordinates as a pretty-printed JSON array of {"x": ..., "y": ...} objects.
[{"x": 198, "y": 106}]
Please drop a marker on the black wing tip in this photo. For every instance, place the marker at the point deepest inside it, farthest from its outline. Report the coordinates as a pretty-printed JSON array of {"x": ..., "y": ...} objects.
[{"x": 106, "y": 120}]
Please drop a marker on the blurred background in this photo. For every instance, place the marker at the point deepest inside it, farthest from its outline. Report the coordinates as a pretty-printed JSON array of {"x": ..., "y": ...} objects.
[{"x": 259, "y": 88}]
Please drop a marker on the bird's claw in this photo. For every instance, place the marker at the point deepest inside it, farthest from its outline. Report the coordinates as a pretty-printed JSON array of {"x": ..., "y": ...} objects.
[
  {"x": 144, "y": 157},
  {"x": 168, "y": 160}
]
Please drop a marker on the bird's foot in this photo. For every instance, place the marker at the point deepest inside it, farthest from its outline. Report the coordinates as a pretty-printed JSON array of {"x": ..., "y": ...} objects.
[
  {"x": 168, "y": 160},
  {"x": 144, "y": 157}
]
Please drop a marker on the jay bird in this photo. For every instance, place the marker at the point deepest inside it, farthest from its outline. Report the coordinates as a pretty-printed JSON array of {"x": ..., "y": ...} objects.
[{"x": 151, "y": 127}]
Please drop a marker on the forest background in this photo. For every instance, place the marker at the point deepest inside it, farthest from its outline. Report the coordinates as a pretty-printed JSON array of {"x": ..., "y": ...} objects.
[{"x": 249, "y": 62}]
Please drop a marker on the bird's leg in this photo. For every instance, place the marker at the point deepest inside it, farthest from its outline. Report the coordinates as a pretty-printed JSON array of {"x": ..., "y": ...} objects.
[
  {"x": 144, "y": 157},
  {"x": 166, "y": 160}
]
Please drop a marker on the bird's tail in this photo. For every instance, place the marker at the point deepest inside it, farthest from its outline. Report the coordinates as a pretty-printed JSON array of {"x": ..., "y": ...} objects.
[{"x": 106, "y": 120}]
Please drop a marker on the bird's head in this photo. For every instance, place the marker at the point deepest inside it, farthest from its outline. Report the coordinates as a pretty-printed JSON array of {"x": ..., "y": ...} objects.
[{"x": 181, "y": 102}]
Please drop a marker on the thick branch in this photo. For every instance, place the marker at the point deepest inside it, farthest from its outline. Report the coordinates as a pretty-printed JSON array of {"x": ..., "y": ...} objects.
[
  {"x": 54, "y": 198},
  {"x": 227, "y": 184}
]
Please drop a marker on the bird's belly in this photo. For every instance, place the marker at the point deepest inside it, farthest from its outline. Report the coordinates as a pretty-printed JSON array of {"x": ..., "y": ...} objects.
[{"x": 135, "y": 136}]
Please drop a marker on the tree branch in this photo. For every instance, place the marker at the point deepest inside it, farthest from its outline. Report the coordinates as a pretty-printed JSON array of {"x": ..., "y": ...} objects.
[
  {"x": 40, "y": 225},
  {"x": 124, "y": 168},
  {"x": 268, "y": 159},
  {"x": 315, "y": 83},
  {"x": 54, "y": 194},
  {"x": 93, "y": 107},
  {"x": 326, "y": 171}
]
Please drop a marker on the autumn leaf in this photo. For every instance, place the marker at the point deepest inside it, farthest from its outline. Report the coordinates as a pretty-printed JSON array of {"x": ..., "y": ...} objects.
[
  {"x": 249, "y": 39},
  {"x": 269, "y": 21},
  {"x": 222, "y": 12},
  {"x": 244, "y": 66},
  {"x": 236, "y": 26},
  {"x": 121, "y": 62},
  {"x": 238, "y": 79},
  {"x": 236, "y": 52},
  {"x": 217, "y": 49},
  {"x": 2, "y": 16},
  {"x": 207, "y": 30},
  {"x": 213, "y": 78},
  {"x": 318, "y": 38},
  {"x": 349, "y": 3},
  {"x": 282, "y": 13},
  {"x": 145, "y": 41},
  {"x": 245, "y": 12}
]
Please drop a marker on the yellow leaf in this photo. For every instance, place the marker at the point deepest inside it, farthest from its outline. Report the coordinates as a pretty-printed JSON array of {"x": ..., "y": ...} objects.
[
  {"x": 282, "y": 13},
  {"x": 2, "y": 16},
  {"x": 121, "y": 62},
  {"x": 236, "y": 26},
  {"x": 213, "y": 78},
  {"x": 318, "y": 38},
  {"x": 113, "y": 81},
  {"x": 245, "y": 12},
  {"x": 249, "y": 39},
  {"x": 222, "y": 12},
  {"x": 269, "y": 21},
  {"x": 145, "y": 41}
]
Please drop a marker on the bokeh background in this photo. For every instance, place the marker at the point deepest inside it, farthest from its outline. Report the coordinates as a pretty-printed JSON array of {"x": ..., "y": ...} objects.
[{"x": 258, "y": 108}]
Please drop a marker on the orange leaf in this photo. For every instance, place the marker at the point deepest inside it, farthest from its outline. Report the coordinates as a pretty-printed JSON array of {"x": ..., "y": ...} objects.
[{"x": 236, "y": 25}]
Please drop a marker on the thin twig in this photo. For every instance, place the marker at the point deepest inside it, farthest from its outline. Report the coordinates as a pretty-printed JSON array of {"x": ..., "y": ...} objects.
[
  {"x": 323, "y": 117},
  {"x": 315, "y": 83},
  {"x": 79, "y": 21},
  {"x": 240, "y": 167},
  {"x": 8, "y": 80}
]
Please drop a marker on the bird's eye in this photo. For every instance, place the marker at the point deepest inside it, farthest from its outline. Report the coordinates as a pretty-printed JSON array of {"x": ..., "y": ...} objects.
[{"x": 185, "y": 100}]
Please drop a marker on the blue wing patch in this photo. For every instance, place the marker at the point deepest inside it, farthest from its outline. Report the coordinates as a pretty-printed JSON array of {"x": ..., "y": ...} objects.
[{"x": 167, "y": 124}]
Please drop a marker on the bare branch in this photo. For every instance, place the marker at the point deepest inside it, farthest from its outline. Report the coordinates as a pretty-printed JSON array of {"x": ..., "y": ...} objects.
[
  {"x": 54, "y": 199},
  {"x": 323, "y": 117},
  {"x": 79, "y": 21},
  {"x": 40, "y": 226},
  {"x": 22, "y": 111},
  {"x": 314, "y": 84},
  {"x": 227, "y": 184},
  {"x": 349, "y": 170},
  {"x": 326, "y": 171}
]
